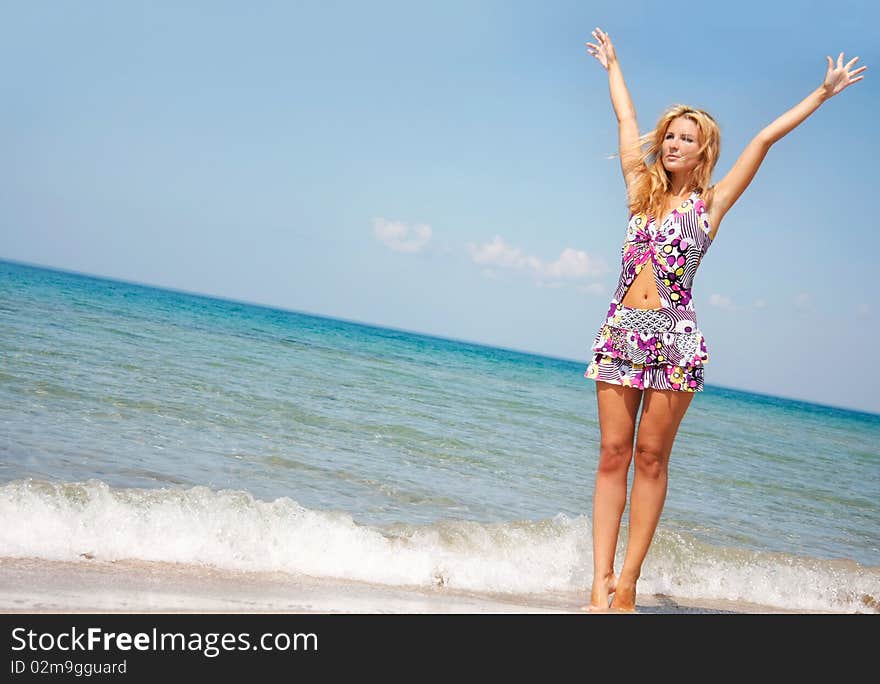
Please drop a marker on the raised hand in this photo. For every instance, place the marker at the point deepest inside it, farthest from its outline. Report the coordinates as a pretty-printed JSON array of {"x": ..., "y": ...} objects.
[
  {"x": 603, "y": 50},
  {"x": 839, "y": 77}
]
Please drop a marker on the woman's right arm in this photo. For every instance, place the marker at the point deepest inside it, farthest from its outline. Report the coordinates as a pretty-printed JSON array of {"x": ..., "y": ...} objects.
[{"x": 627, "y": 126}]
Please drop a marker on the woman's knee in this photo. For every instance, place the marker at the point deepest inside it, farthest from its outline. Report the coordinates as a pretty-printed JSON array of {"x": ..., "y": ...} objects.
[
  {"x": 614, "y": 455},
  {"x": 652, "y": 459}
]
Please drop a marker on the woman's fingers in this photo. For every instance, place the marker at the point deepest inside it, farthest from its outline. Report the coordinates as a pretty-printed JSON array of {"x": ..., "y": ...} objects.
[
  {"x": 602, "y": 48},
  {"x": 839, "y": 77},
  {"x": 845, "y": 67}
]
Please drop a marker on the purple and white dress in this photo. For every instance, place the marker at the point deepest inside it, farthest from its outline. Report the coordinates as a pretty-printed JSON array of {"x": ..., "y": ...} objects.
[{"x": 657, "y": 348}]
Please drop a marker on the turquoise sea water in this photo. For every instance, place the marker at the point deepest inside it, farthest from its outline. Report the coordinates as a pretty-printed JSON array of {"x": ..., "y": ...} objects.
[{"x": 144, "y": 423}]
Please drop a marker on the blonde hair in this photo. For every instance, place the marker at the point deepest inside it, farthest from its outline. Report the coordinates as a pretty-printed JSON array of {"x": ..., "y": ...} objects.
[{"x": 648, "y": 194}]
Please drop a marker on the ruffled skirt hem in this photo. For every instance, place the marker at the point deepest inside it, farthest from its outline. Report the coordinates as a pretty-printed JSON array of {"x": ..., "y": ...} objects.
[
  {"x": 649, "y": 348},
  {"x": 666, "y": 376}
]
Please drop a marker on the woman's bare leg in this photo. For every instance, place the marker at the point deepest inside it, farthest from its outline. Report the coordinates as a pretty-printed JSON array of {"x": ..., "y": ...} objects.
[
  {"x": 618, "y": 407},
  {"x": 662, "y": 412}
]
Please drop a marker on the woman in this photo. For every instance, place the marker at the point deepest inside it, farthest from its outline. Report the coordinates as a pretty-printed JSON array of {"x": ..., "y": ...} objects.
[{"x": 650, "y": 351}]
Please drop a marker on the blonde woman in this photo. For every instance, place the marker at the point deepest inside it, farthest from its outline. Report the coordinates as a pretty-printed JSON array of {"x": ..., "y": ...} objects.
[{"x": 649, "y": 351}]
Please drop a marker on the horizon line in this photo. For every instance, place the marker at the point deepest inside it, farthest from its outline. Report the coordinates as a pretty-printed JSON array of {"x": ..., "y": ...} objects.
[{"x": 430, "y": 335}]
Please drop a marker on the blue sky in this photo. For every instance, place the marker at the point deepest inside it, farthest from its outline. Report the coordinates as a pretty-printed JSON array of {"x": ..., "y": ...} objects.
[{"x": 442, "y": 167}]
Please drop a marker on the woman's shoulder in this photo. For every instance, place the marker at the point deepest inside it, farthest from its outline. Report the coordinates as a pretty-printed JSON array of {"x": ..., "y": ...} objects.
[{"x": 708, "y": 196}]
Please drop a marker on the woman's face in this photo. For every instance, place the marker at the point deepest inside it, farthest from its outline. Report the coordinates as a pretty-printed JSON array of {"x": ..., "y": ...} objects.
[{"x": 680, "y": 146}]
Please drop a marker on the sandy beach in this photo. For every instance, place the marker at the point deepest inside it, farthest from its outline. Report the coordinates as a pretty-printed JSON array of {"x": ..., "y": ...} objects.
[{"x": 92, "y": 586}]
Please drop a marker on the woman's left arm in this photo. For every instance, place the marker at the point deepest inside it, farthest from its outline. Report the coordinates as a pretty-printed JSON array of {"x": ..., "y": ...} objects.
[{"x": 728, "y": 190}]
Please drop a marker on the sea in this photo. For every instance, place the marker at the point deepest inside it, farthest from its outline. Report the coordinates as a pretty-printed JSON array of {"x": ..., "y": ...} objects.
[{"x": 153, "y": 425}]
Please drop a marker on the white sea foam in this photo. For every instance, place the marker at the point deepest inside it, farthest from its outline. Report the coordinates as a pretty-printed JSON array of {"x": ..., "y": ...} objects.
[{"x": 232, "y": 530}]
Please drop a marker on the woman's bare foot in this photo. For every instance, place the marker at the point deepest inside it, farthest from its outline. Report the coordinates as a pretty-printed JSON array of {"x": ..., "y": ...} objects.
[
  {"x": 624, "y": 599},
  {"x": 603, "y": 587}
]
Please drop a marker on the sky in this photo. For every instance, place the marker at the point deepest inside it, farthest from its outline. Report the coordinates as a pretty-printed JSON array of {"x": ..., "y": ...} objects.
[{"x": 446, "y": 167}]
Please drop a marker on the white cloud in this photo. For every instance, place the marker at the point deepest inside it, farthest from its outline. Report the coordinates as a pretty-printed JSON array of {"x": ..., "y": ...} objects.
[
  {"x": 721, "y": 301},
  {"x": 396, "y": 235},
  {"x": 593, "y": 289},
  {"x": 760, "y": 303},
  {"x": 572, "y": 264},
  {"x": 499, "y": 253},
  {"x": 803, "y": 301}
]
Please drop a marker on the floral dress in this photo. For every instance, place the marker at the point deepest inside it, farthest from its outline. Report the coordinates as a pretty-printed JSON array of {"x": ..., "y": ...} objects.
[{"x": 657, "y": 348}]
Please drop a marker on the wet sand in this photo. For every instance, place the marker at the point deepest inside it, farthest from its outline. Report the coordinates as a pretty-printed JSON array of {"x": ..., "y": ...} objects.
[{"x": 93, "y": 586}]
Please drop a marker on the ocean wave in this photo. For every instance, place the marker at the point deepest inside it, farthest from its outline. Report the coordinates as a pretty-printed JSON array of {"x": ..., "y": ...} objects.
[{"x": 232, "y": 530}]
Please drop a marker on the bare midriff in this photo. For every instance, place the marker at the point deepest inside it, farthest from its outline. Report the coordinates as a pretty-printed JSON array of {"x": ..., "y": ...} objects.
[{"x": 642, "y": 292}]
